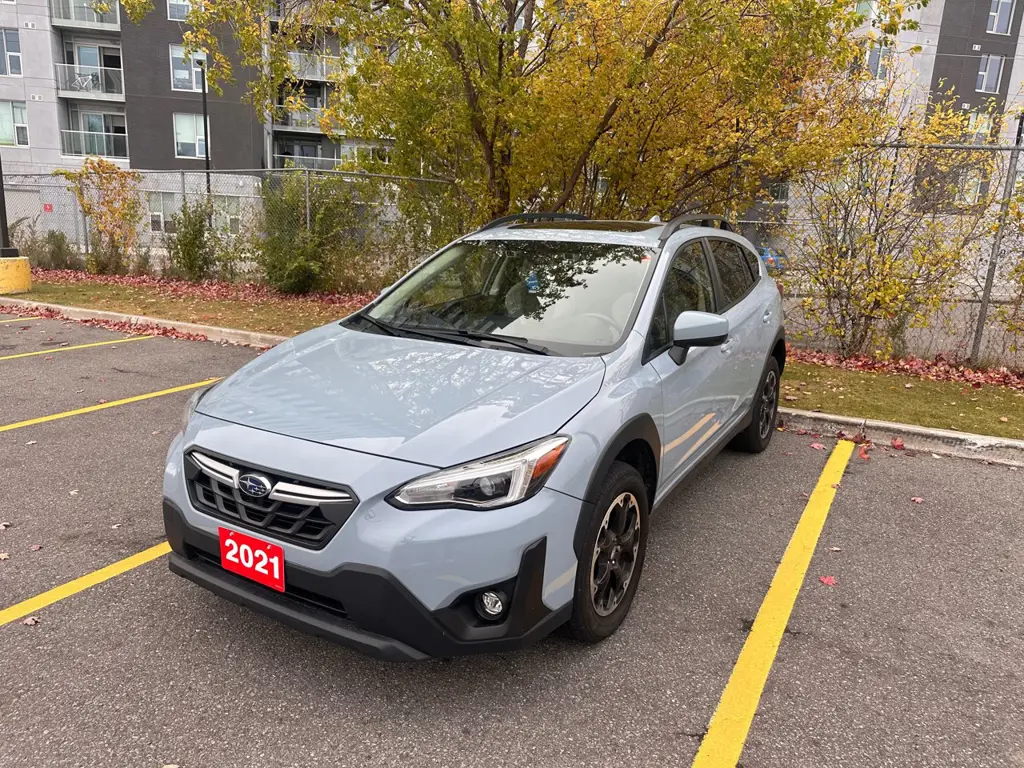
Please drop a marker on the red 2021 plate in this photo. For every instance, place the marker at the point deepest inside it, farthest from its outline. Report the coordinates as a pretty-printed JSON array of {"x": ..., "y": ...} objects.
[{"x": 253, "y": 558}]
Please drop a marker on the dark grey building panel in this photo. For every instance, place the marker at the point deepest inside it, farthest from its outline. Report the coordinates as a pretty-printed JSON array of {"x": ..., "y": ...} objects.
[
  {"x": 964, "y": 27},
  {"x": 236, "y": 136}
]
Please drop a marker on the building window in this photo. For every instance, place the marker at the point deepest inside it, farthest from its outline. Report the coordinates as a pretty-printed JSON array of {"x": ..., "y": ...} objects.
[
  {"x": 13, "y": 124},
  {"x": 226, "y": 213},
  {"x": 990, "y": 73},
  {"x": 1000, "y": 16},
  {"x": 186, "y": 70},
  {"x": 10, "y": 53},
  {"x": 868, "y": 9},
  {"x": 979, "y": 127},
  {"x": 878, "y": 61},
  {"x": 189, "y": 136},
  {"x": 177, "y": 10},
  {"x": 162, "y": 208}
]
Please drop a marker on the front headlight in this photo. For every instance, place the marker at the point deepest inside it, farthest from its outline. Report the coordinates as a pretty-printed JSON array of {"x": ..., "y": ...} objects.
[
  {"x": 193, "y": 402},
  {"x": 495, "y": 482}
]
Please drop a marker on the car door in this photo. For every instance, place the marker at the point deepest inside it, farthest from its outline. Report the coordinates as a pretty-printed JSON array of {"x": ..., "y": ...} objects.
[
  {"x": 693, "y": 405},
  {"x": 738, "y": 301}
]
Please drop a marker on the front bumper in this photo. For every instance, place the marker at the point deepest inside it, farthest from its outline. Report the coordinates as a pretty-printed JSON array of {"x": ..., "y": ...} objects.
[{"x": 366, "y": 608}]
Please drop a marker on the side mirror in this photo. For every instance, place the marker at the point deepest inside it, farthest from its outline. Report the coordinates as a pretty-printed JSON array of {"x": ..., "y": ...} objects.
[{"x": 697, "y": 329}]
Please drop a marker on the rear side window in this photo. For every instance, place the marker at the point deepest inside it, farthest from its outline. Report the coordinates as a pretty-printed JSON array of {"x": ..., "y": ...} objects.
[
  {"x": 687, "y": 287},
  {"x": 733, "y": 271},
  {"x": 753, "y": 263}
]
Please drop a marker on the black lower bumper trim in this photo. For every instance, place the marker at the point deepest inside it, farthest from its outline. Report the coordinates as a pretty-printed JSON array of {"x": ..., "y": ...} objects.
[{"x": 367, "y": 608}]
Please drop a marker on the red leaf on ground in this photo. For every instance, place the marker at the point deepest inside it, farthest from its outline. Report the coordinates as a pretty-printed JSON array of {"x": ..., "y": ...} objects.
[
  {"x": 917, "y": 499},
  {"x": 818, "y": 446},
  {"x": 828, "y": 581},
  {"x": 35, "y": 547},
  {"x": 102, "y": 402},
  {"x": 897, "y": 443},
  {"x": 864, "y": 453}
]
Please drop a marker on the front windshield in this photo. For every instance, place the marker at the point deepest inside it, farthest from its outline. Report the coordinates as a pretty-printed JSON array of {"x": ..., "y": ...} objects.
[{"x": 573, "y": 298}]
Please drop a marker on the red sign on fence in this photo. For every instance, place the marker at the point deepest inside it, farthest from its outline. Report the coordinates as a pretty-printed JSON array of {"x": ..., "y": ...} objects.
[{"x": 47, "y": 207}]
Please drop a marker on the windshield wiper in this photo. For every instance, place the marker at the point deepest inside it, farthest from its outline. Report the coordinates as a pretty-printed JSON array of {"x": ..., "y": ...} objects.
[
  {"x": 390, "y": 330},
  {"x": 515, "y": 341}
]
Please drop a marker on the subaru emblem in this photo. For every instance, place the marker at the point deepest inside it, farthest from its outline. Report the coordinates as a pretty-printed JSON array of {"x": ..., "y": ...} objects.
[{"x": 254, "y": 485}]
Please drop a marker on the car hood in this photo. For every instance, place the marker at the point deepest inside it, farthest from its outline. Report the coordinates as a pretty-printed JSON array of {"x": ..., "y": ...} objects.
[{"x": 433, "y": 403}]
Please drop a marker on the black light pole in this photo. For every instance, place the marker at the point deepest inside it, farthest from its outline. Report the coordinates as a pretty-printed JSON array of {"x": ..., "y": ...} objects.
[
  {"x": 206, "y": 125},
  {"x": 6, "y": 251}
]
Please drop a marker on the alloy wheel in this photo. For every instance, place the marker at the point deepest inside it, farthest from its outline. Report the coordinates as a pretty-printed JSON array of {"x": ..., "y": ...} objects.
[
  {"x": 615, "y": 554},
  {"x": 769, "y": 401}
]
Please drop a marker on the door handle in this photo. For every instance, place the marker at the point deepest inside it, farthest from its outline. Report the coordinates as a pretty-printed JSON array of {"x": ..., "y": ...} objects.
[{"x": 767, "y": 316}]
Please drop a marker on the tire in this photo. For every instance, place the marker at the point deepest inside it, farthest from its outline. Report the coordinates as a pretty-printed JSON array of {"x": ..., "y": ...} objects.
[
  {"x": 621, "y": 503},
  {"x": 764, "y": 412}
]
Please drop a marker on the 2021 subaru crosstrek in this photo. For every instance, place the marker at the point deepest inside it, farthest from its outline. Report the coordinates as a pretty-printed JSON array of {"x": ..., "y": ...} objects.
[{"x": 471, "y": 461}]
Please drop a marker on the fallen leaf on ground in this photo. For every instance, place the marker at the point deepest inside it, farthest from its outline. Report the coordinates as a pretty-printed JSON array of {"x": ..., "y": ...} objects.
[
  {"x": 897, "y": 443},
  {"x": 4, "y": 525},
  {"x": 35, "y": 547},
  {"x": 73, "y": 493},
  {"x": 936, "y": 456},
  {"x": 818, "y": 446},
  {"x": 836, "y": 486},
  {"x": 115, "y": 526},
  {"x": 828, "y": 581},
  {"x": 102, "y": 402},
  {"x": 1003, "y": 419},
  {"x": 4, "y": 556},
  {"x": 835, "y": 549},
  {"x": 908, "y": 386},
  {"x": 30, "y": 621},
  {"x": 864, "y": 453},
  {"x": 917, "y": 499},
  {"x": 155, "y": 432},
  {"x": 79, "y": 391},
  {"x": 31, "y": 442}
]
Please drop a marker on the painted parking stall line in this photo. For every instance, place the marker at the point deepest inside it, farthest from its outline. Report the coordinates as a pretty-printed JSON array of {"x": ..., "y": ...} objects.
[
  {"x": 20, "y": 319},
  {"x": 105, "y": 406},
  {"x": 33, "y": 604},
  {"x": 727, "y": 732},
  {"x": 77, "y": 346}
]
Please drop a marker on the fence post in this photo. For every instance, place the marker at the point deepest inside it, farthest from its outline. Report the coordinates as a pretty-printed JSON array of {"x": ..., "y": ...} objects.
[
  {"x": 997, "y": 241},
  {"x": 307, "y": 199}
]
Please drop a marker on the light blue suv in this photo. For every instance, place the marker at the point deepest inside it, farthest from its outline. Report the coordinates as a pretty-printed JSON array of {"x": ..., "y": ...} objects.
[{"x": 471, "y": 461}]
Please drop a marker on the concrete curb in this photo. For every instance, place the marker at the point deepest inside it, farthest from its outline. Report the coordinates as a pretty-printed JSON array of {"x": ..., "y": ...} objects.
[
  {"x": 943, "y": 442},
  {"x": 211, "y": 332}
]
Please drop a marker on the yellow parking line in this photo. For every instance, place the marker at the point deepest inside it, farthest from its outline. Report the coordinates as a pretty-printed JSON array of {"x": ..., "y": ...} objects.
[
  {"x": 104, "y": 406},
  {"x": 727, "y": 733},
  {"x": 77, "y": 346},
  {"x": 20, "y": 319},
  {"x": 33, "y": 604}
]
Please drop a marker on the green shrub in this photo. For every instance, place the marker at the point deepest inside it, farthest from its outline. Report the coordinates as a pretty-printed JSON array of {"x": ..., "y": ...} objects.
[
  {"x": 193, "y": 246},
  {"x": 60, "y": 253}
]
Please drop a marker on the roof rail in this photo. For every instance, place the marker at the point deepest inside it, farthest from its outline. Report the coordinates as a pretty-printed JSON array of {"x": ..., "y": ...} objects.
[
  {"x": 533, "y": 217},
  {"x": 698, "y": 219}
]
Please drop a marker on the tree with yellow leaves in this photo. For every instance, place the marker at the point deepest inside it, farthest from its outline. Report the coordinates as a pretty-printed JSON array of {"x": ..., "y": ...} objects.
[{"x": 605, "y": 107}]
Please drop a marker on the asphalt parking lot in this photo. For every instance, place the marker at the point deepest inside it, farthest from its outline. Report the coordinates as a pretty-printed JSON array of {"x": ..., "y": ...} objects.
[{"x": 912, "y": 658}]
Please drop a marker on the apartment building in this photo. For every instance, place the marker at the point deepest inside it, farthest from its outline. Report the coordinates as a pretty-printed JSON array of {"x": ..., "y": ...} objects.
[{"x": 74, "y": 83}]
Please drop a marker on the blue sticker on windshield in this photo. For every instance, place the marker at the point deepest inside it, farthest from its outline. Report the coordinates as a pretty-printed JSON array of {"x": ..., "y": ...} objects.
[{"x": 532, "y": 283}]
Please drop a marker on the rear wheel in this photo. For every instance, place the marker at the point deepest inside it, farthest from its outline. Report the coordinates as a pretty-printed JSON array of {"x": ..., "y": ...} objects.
[
  {"x": 763, "y": 412},
  {"x": 612, "y": 556}
]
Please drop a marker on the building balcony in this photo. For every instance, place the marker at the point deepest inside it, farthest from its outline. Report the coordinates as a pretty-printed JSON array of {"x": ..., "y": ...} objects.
[
  {"x": 81, "y": 14},
  {"x": 313, "y": 66},
  {"x": 306, "y": 121},
  {"x": 87, "y": 143},
  {"x": 99, "y": 83}
]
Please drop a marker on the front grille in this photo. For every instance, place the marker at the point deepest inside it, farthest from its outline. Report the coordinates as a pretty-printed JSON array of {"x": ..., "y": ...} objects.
[
  {"x": 299, "y": 517},
  {"x": 296, "y": 593}
]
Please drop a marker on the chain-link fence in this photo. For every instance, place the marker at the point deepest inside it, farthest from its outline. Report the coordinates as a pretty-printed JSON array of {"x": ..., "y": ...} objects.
[{"x": 248, "y": 223}]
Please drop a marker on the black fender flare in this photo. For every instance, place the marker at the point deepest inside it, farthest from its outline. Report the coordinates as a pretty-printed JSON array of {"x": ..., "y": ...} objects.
[
  {"x": 780, "y": 335},
  {"x": 641, "y": 427}
]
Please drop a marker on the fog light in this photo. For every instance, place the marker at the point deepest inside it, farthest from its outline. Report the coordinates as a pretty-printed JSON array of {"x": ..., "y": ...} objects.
[{"x": 491, "y": 605}]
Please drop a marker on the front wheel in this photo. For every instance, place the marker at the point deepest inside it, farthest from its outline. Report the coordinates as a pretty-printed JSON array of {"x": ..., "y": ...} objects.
[
  {"x": 763, "y": 412},
  {"x": 612, "y": 556}
]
